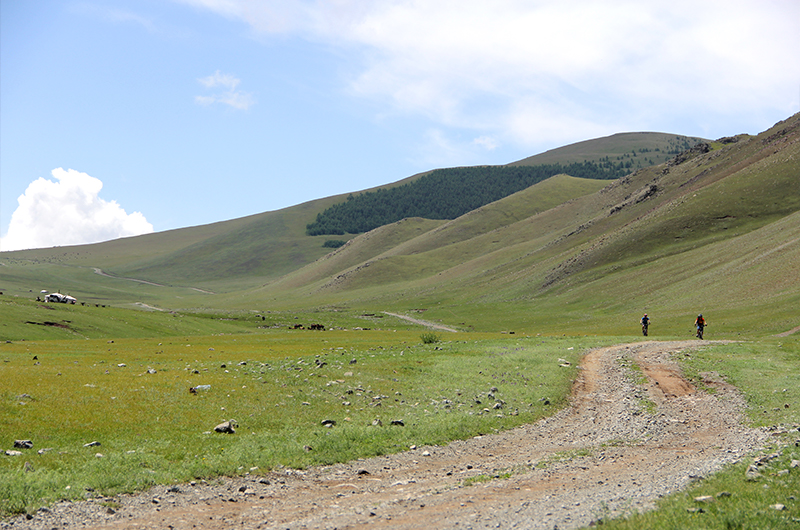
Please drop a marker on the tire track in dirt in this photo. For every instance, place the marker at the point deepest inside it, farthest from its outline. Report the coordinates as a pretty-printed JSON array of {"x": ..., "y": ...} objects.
[{"x": 603, "y": 456}]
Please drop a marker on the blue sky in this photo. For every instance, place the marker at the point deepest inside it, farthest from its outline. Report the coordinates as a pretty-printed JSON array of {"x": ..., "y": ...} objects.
[{"x": 122, "y": 117}]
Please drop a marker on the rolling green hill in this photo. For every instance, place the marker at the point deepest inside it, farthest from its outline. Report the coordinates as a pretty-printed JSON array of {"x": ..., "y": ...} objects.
[
  {"x": 451, "y": 192},
  {"x": 641, "y": 149},
  {"x": 233, "y": 254},
  {"x": 664, "y": 239},
  {"x": 714, "y": 229}
]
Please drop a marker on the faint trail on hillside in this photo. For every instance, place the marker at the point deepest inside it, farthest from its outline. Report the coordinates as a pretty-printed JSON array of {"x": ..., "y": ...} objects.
[
  {"x": 790, "y": 332},
  {"x": 99, "y": 271},
  {"x": 148, "y": 306},
  {"x": 421, "y": 322}
]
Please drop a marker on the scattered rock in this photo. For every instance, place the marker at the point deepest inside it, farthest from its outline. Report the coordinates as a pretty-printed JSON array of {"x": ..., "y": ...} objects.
[
  {"x": 377, "y": 422},
  {"x": 722, "y": 494},
  {"x": 752, "y": 474},
  {"x": 28, "y": 467},
  {"x": 795, "y": 464},
  {"x": 704, "y": 498},
  {"x": 761, "y": 460},
  {"x": 426, "y": 453},
  {"x": 362, "y": 472},
  {"x": 92, "y": 444},
  {"x": 23, "y": 444},
  {"x": 779, "y": 507},
  {"x": 227, "y": 427},
  {"x": 328, "y": 423},
  {"x": 399, "y": 423},
  {"x": 307, "y": 448}
]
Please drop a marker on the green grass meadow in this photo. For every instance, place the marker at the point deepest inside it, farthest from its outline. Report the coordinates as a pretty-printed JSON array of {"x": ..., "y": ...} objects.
[{"x": 132, "y": 396}]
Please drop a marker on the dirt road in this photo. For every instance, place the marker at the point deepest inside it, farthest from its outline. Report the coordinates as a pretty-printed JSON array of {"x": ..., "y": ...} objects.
[
  {"x": 420, "y": 322},
  {"x": 620, "y": 446}
]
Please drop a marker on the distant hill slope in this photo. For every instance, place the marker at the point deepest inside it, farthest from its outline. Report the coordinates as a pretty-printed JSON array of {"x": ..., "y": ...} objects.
[
  {"x": 451, "y": 192},
  {"x": 669, "y": 238},
  {"x": 246, "y": 251},
  {"x": 641, "y": 149},
  {"x": 715, "y": 229}
]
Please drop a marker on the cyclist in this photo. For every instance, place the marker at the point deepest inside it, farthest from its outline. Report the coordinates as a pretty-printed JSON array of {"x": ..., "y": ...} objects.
[{"x": 700, "y": 323}]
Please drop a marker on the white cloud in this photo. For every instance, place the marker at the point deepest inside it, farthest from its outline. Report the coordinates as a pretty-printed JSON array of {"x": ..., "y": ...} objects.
[
  {"x": 231, "y": 96},
  {"x": 68, "y": 211},
  {"x": 487, "y": 142},
  {"x": 218, "y": 79},
  {"x": 605, "y": 65}
]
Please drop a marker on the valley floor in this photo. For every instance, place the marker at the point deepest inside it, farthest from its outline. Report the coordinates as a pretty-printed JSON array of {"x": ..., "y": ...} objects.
[{"x": 629, "y": 437}]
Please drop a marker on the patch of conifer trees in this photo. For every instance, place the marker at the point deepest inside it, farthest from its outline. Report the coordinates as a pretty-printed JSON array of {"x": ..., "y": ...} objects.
[{"x": 447, "y": 194}]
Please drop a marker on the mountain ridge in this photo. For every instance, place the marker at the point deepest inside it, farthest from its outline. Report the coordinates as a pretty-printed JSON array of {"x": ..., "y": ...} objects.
[{"x": 565, "y": 250}]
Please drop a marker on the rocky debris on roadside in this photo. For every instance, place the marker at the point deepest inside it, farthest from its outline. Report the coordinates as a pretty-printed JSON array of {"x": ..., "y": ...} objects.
[{"x": 752, "y": 473}]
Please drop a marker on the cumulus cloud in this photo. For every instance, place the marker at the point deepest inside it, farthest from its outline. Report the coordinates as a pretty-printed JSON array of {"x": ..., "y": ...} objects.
[
  {"x": 534, "y": 69},
  {"x": 231, "y": 97},
  {"x": 68, "y": 211}
]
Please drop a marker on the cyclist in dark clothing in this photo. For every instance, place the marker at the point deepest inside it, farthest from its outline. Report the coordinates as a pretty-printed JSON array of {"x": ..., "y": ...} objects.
[
  {"x": 645, "y": 321},
  {"x": 700, "y": 324}
]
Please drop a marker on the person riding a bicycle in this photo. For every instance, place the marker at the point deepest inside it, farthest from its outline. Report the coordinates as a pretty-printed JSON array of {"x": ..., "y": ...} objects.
[
  {"x": 645, "y": 321},
  {"x": 700, "y": 324}
]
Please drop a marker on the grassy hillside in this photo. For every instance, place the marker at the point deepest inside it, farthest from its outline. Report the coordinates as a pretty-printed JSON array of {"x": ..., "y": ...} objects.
[
  {"x": 224, "y": 256},
  {"x": 666, "y": 239},
  {"x": 566, "y": 254},
  {"x": 641, "y": 149}
]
